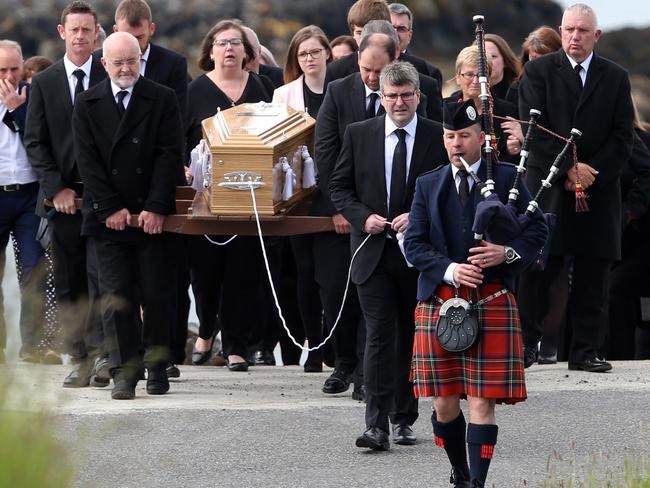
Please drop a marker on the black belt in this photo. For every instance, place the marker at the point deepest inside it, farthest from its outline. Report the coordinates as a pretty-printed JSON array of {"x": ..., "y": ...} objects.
[{"x": 17, "y": 186}]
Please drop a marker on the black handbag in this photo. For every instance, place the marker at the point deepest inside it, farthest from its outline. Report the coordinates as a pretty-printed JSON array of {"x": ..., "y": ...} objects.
[{"x": 457, "y": 328}]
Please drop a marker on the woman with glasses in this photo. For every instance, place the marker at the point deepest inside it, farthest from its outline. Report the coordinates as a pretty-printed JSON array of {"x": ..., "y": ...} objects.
[
  {"x": 304, "y": 75},
  {"x": 225, "y": 279},
  {"x": 508, "y": 142}
]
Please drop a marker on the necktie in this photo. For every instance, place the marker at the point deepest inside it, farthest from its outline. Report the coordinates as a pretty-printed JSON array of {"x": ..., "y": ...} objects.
[
  {"x": 79, "y": 87},
  {"x": 120, "y": 102},
  {"x": 370, "y": 110},
  {"x": 398, "y": 177},
  {"x": 463, "y": 187},
  {"x": 578, "y": 68}
]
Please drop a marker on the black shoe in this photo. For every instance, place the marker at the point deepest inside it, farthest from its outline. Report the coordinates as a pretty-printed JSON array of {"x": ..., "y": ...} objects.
[
  {"x": 263, "y": 358},
  {"x": 313, "y": 367},
  {"x": 359, "y": 393},
  {"x": 547, "y": 359},
  {"x": 79, "y": 377},
  {"x": 124, "y": 383},
  {"x": 374, "y": 438},
  {"x": 476, "y": 484},
  {"x": 594, "y": 365},
  {"x": 404, "y": 435},
  {"x": 173, "y": 371},
  {"x": 460, "y": 477},
  {"x": 338, "y": 382},
  {"x": 100, "y": 375},
  {"x": 201, "y": 357},
  {"x": 157, "y": 380},
  {"x": 241, "y": 366},
  {"x": 530, "y": 356}
]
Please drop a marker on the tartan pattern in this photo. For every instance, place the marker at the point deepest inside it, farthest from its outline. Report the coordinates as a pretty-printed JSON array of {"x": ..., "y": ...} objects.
[
  {"x": 491, "y": 369},
  {"x": 439, "y": 441},
  {"x": 487, "y": 451}
]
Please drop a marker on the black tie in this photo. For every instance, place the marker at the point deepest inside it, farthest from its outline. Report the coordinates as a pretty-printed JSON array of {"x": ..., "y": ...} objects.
[
  {"x": 120, "y": 102},
  {"x": 398, "y": 177},
  {"x": 463, "y": 187},
  {"x": 578, "y": 68},
  {"x": 370, "y": 110},
  {"x": 79, "y": 73}
]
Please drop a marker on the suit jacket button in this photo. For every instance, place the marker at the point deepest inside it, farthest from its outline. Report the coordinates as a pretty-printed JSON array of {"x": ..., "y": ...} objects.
[
  {"x": 114, "y": 172},
  {"x": 138, "y": 170},
  {"x": 135, "y": 140}
]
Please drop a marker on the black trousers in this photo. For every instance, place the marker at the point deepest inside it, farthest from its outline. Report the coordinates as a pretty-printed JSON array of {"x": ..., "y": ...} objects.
[
  {"x": 178, "y": 259},
  {"x": 226, "y": 281},
  {"x": 71, "y": 281},
  {"x": 388, "y": 300},
  {"x": 331, "y": 264},
  {"x": 132, "y": 275}
]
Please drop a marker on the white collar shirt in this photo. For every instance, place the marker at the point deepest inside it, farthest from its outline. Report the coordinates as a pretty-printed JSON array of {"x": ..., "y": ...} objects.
[{"x": 70, "y": 68}]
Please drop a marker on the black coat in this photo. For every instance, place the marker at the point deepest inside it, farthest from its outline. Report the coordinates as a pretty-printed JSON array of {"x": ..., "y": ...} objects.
[
  {"x": 603, "y": 112},
  {"x": 344, "y": 104},
  {"x": 130, "y": 162},
  {"x": 273, "y": 73},
  {"x": 358, "y": 183},
  {"x": 429, "y": 86},
  {"x": 48, "y": 130}
]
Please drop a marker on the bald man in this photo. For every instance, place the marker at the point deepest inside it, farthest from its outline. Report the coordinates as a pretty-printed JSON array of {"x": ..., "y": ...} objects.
[{"x": 127, "y": 135}]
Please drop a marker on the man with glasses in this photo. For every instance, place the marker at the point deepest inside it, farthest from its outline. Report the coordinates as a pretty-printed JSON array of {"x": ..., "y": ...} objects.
[
  {"x": 128, "y": 143},
  {"x": 48, "y": 141},
  {"x": 376, "y": 202}
]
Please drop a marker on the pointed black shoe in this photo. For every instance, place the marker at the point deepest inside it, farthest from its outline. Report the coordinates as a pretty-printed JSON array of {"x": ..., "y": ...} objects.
[
  {"x": 594, "y": 365},
  {"x": 374, "y": 438},
  {"x": 338, "y": 382}
]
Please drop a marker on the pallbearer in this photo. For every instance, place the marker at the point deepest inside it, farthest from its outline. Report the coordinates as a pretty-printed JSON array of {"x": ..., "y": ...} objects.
[{"x": 467, "y": 335}]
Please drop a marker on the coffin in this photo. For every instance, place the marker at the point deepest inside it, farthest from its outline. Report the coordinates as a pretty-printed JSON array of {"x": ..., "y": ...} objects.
[{"x": 247, "y": 144}]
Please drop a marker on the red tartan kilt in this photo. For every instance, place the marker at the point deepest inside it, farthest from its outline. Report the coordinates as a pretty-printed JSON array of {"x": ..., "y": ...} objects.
[{"x": 493, "y": 368}]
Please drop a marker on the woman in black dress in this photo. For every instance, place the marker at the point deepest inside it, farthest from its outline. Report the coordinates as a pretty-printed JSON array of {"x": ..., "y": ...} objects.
[{"x": 225, "y": 279}]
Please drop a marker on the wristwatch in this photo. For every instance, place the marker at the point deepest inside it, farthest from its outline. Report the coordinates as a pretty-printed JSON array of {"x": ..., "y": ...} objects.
[{"x": 511, "y": 254}]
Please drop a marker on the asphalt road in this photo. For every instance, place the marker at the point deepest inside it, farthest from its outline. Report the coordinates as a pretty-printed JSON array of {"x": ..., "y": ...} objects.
[{"x": 272, "y": 427}]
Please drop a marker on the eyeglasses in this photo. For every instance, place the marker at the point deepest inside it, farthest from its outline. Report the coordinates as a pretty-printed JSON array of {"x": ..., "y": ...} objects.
[
  {"x": 118, "y": 63},
  {"x": 235, "y": 41},
  {"x": 406, "y": 96},
  {"x": 469, "y": 75},
  {"x": 401, "y": 29},
  {"x": 314, "y": 53}
]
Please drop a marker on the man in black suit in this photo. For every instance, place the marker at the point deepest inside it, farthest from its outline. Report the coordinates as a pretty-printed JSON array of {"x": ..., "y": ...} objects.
[
  {"x": 345, "y": 66},
  {"x": 48, "y": 140},
  {"x": 168, "y": 68},
  {"x": 128, "y": 143},
  {"x": 375, "y": 198},
  {"x": 18, "y": 193},
  {"x": 574, "y": 87}
]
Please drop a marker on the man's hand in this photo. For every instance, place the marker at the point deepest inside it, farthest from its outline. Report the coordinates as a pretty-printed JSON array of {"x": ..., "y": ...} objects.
[
  {"x": 401, "y": 223},
  {"x": 119, "y": 220},
  {"x": 515, "y": 137},
  {"x": 375, "y": 224},
  {"x": 468, "y": 275},
  {"x": 10, "y": 97},
  {"x": 64, "y": 201},
  {"x": 487, "y": 255},
  {"x": 151, "y": 222},
  {"x": 585, "y": 174},
  {"x": 341, "y": 225}
]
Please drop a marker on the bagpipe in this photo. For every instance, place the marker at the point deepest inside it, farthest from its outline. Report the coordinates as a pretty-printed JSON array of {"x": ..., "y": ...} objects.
[{"x": 494, "y": 220}]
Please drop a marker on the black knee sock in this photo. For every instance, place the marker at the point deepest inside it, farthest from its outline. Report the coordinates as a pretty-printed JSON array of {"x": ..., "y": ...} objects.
[
  {"x": 480, "y": 444},
  {"x": 451, "y": 437}
]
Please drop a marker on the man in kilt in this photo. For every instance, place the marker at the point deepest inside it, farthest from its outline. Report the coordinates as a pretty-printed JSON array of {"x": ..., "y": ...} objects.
[{"x": 440, "y": 244}]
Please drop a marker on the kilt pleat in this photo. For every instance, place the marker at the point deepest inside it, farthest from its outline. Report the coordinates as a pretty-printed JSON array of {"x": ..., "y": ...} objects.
[{"x": 493, "y": 368}]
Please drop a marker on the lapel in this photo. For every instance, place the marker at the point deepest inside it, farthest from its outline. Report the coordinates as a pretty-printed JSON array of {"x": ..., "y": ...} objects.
[
  {"x": 441, "y": 187},
  {"x": 358, "y": 98},
  {"x": 377, "y": 158},
  {"x": 62, "y": 89},
  {"x": 105, "y": 110},
  {"x": 567, "y": 74},
  {"x": 594, "y": 75},
  {"x": 152, "y": 63},
  {"x": 475, "y": 195},
  {"x": 420, "y": 146},
  {"x": 97, "y": 73},
  {"x": 139, "y": 107}
]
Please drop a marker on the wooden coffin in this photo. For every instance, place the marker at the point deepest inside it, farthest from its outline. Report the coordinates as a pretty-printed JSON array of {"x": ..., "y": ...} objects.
[{"x": 246, "y": 144}]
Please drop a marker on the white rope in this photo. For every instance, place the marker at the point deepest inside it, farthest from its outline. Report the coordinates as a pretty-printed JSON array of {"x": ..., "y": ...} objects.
[
  {"x": 275, "y": 296},
  {"x": 220, "y": 243}
]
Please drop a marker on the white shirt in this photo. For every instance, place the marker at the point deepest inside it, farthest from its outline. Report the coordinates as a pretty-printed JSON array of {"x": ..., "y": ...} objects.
[
  {"x": 116, "y": 89},
  {"x": 143, "y": 60},
  {"x": 14, "y": 165},
  {"x": 70, "y": 68},
  {"x": 368, "y": 92},
  {"x": 585, "y": 66},
  {"x": 390, "y": 143},
  {"x": 449, "y": 273}
]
